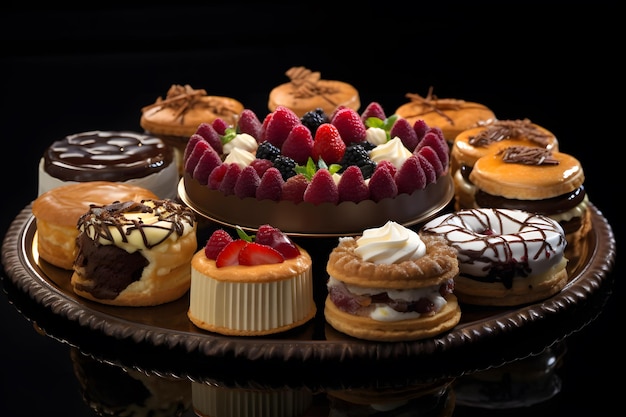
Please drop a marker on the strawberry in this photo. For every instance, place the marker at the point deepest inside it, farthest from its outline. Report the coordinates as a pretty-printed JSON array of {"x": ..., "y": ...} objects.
[
  {"x": 271, "y": 185},
  {"x": 278, "y": 124},
  {"x": 199, "y": 146},
  {"x": 403, "y": 129},
  {"x": 434, "y": 138},
  {"x": 249, "y": 123},
  {"x": 374, "y": 109},
  {"x": 410, "y": 176},
  {"x": 230, "y": 253},
  {"x": 349, "y": 125},
  {"x": 273, "y": 237},
  {"x": 247, "y": 183},
  {"x": 430, "y": 154},
  {"x": 216, "y": 176},
  {"x": 257, "y": 254},
  {"x": 227, "y": 186},
  {"x": 299, "y": 144},
  {"x": 429, "y": 170},
  {"x": 206, "y": 164},
  {"x": 352, "y": 186},
  {"x": 261, "y": 165},
  {"x": 328, "y": 144},
  {"x": 294, "y": 187},
  {"x": 217, "y": 241},
  {"x": 382, "y": 184},
  {"x": 220, "y": 126},
  {"x": 208, "y": 132},
  {"x": 322, "y": 188}
]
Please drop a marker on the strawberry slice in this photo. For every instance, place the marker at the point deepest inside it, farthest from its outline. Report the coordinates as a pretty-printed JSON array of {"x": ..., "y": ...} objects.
[
  {"x": 299, "y": 144},
  {"x": 230, "y": 253},
  {"x": 217, "y": 241},
  {"x": 328, "y": 144},
  {"x": 275, "y": 238},
  {"x": 257, "y": 254},
  {"x": 374, "y": 109},
  {"x": 350, "y": 126}
]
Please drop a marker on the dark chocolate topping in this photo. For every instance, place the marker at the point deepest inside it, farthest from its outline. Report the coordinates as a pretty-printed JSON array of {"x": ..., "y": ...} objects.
[
  {"x": 527, "y": 155},
  {"x": 309, "y": 84},
  {"x": 510, "y": 129},
  {"x": 548, "y": 206},
  {"x": 99, "y": 219},
  {"x": 431, "y": 103},
  {"x": 106, "y": 156}
]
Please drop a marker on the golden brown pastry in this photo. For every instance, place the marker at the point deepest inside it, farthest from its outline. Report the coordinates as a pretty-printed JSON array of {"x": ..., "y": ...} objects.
[
  {"x": 390, "y": 284},
  {"x": 307, "y": 91},
  {"x": 57, "y": 212},
  {"x": 133, "y": 253}
]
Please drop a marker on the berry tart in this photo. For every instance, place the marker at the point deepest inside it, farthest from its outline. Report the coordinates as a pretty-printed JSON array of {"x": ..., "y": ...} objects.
[{"x": 319, "y": 174}]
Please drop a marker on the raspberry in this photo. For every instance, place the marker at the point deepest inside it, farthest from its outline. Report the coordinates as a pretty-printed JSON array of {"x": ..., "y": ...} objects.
[
  {"x": 271, "y": 185},
  {"x": 217, "y": 241},
  {"x": 382, "y": 184},
  {"x": 438, "y": 143},
  {"x": 410, "y": 176},
  {"x": 349, "y": 125},
  {"x": 322, "y": 189},
  {"x": 430, "y": 154},
  {"x": 352, "y": 186},
  {"x": 429, "y": 170},
  {"x": 373, "y": 109},
  {"x": 261, "y": 165},
  {"x": 294, "y": 187},
  {"x": 280, "y": 123},
  {"x": 250, "y": 124},
  {"x": 199, "y": 147},
  {"x": 403, "y": 129},
  {"x": 208, "y": 132},
  {"x": 206, "y": 164},
  {"x": 298, "y": 145},
  {"x": 220, "y": 126},
  {"x": 247, "y": 183},
  {"x": 216, "y": 176},
  {"x": 227, "y": 186}
]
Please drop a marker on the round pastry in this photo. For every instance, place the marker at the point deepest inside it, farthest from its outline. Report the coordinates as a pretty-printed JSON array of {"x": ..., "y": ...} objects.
[
  {"x": 307, "y": 91},
  {"x": 536, "y": 180},
  {"x": 349, "y": 177},
  {"x": 390, "y": 284},
  {"x": 251, "y": 287},
  {"x": 117, "y": 156},
  {"x": 176, "y": 117},
  {"x": 57, "y": 212},
  {"x": 135, "y": 253},
  {"x": 506, "y": 257},
  {"x": 452, "y": 116},
  {"x": 111, "y": 390},
  {"x": 472, "y": 144}
]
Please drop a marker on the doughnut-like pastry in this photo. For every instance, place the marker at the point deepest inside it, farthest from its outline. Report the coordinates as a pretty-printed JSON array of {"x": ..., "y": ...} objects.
[
  {"x": 307, "y": 91},
  {"x": 506, "y": 257},
  {"x": 390, "y": 284},
  {"x": 134, "y": 253}
]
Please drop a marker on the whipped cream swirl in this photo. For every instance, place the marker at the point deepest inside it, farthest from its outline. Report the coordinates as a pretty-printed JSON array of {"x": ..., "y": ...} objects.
[
  {"x": 394, "y": 151},
  {"x": 390, "y": 244}
]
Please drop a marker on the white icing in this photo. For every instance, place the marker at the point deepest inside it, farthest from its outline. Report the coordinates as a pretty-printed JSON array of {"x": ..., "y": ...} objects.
[
  {"x": 241, "y": 141},
  {"x": 393, "y": 151},
  {"x": 376, "y": 135},
  {"x": 390, "y": 244},
  {"x": 517, "y": 237},
  {"x": 241, "y": 157}
]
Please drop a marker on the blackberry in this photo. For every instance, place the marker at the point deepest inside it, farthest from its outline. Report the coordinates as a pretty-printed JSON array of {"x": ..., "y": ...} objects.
[
  {"x": 357, "y": 155},
  {"x": 266, "y": 150},
  {"x": 286, "y": 166},
  {"x": 368, "y": 146},
  {"x": 313, "y": 119}
]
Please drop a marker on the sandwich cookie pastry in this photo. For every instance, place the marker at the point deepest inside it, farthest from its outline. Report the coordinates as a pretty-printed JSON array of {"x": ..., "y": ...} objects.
[
  {"x": 135, "y": 253},
  {"x": 390, "y": 284},
  {"x": 506, "y": 257}
]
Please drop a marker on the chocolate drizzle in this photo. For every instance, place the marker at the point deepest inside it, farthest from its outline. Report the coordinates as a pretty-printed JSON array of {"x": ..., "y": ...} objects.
[
  {"x": 527, "y": 155},
  {"x": 510, "y": 129},
  {"x": 308, "y": 84},
  {"x": 431, "y": 103},
  {"x": 184, "y": 98},
  {"x": 100, "y": 219}
]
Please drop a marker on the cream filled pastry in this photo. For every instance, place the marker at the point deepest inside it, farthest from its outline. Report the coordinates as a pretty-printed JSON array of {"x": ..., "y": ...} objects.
[
  {"x": 135, "y": 253},
  {"x": 116, "y": 156},
  {"x": 390, "y": 284},
  {"x": 506, "y": 257}
]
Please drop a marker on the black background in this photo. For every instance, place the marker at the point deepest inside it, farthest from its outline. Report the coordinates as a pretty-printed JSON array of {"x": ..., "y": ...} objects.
[{"x": 72, "y": 69}]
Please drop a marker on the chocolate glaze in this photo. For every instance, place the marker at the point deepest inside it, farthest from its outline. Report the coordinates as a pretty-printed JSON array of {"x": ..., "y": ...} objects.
[
  {"x": 547, "y": 206},
  {"x": 106, "y": 156},
  {"x": 114, "y": 270}
]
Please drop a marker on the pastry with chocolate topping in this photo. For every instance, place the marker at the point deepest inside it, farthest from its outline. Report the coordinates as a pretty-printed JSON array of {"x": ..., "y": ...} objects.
[
  {"x": 116, "y": 156},
  {"x": 135, "y": 253},
  {"x": 307, "y": 91},
  {"x": 177, "y": 116},
  {"x": 452, "y": 116},
  {"x": 472, "y": 144}
]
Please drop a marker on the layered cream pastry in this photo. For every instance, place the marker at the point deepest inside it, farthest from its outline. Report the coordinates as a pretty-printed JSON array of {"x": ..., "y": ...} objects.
[
  {"x": 391, "y": 284},
  {"x": 135, "y": 253}
]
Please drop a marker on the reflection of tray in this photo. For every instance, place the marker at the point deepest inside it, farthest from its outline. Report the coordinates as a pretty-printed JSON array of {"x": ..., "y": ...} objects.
[{"x": 168, "y": 327}]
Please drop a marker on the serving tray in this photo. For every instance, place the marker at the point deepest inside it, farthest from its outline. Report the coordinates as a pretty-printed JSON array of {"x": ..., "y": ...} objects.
[{"x": 168, "y": 328}]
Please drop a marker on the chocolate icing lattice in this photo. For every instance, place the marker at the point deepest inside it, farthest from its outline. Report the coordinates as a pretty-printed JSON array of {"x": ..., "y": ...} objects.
[
  {"x": 309, "y": 84},
  {"x": 527, "y": 155},
  {"x": 510, "y": 129}
]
